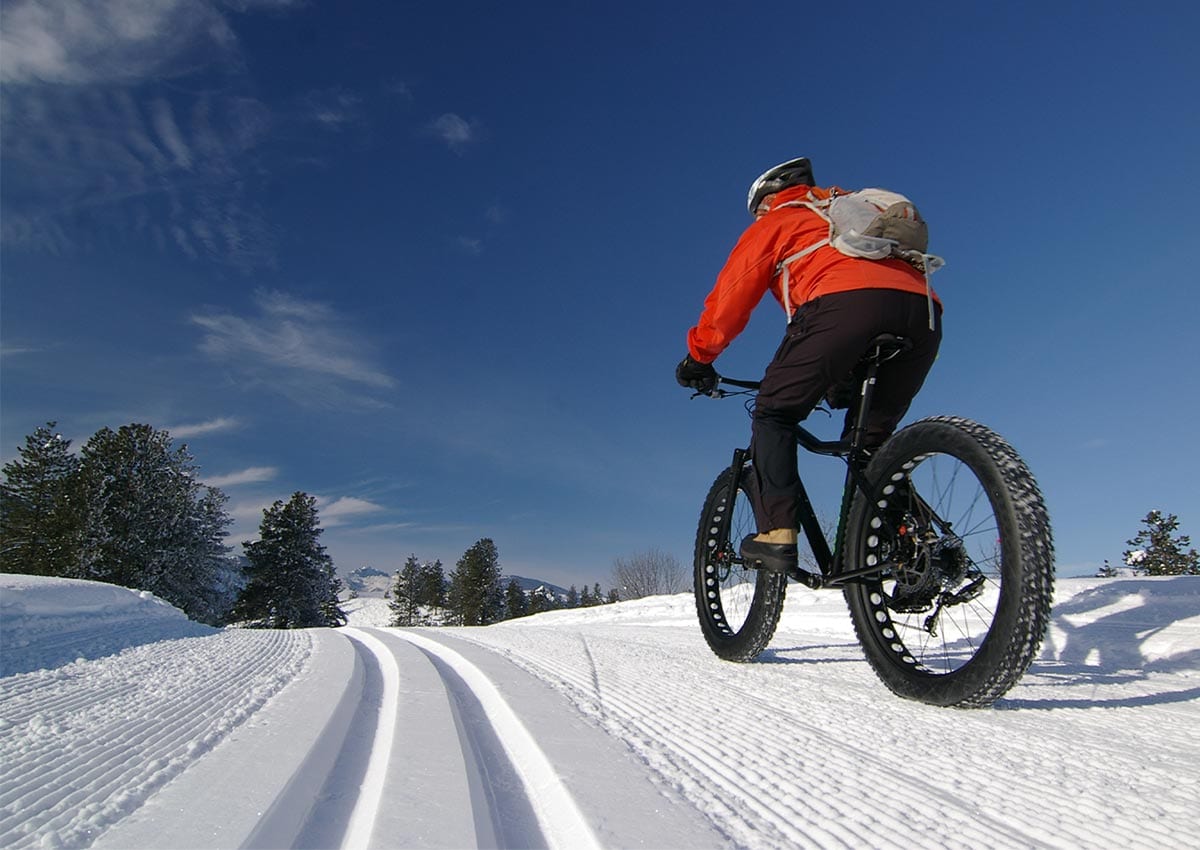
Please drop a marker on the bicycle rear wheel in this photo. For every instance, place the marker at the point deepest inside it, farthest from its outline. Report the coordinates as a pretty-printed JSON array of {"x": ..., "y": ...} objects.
[
  {"x": 959, "y": 522},
  {"x": 738, "y": 606}
]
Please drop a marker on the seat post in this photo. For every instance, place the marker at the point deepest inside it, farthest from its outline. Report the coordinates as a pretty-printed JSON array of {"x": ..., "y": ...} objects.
[{"x": 859, "y": 432}]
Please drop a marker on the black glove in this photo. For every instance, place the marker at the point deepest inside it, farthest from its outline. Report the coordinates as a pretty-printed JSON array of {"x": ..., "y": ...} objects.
[{"x": 697, "y": 376}]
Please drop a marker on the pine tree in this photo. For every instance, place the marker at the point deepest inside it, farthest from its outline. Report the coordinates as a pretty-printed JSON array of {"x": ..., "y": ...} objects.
[
  {"x": 585, "y": 598},
  {"x": 476, "y": 597},
  {"x": 597, "y": 595},
  {"x": 573, "y": 597},
  {"x": 292, "y": 583},
  {"x": 406, "y": 594},
  {"x": 1154, "y": 551},
  {"x": 515, "y": 603},
  {"x": 151, "y": 525},
  {"x": 432, "y": 587},
  {"x": 42, "y": 511}
]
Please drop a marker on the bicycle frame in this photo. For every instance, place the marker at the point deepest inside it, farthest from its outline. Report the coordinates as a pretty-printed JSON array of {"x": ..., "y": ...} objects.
[{"x": 831, "y": 561}]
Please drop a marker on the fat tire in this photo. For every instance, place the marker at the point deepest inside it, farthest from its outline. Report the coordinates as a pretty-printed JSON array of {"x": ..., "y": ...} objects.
[
  {"x": 720, "y": 578},
  {"x": 1022, "y": 565}
]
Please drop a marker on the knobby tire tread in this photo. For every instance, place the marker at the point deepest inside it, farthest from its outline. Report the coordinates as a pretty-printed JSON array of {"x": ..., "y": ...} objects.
[
  {"x": 770, "y": 590},
  {"x": 1027, "y": 571}
]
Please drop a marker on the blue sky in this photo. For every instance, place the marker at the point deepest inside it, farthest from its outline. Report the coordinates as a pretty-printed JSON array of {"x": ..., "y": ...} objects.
[{"x": 434, "y": 262}]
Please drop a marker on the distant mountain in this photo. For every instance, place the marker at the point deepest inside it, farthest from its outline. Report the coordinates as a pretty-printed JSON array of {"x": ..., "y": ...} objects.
[
  {"x": 530, "y": 585},
  {"x": 368, "y": 581}
]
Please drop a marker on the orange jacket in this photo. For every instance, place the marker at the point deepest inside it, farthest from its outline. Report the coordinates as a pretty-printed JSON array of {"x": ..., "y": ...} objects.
[{"x": 752, "y": 270}]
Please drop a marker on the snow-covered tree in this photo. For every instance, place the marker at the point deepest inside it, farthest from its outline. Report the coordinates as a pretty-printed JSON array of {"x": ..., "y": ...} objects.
[
  {"x": 476, "y": 597},
  {"x": 42, "y": 512},
  {"x": 291, "y": 579},
  {"x": 1156, "y": 552},
  {"x": 152, "y": 525},
  {"x": 573, "y": 597}
]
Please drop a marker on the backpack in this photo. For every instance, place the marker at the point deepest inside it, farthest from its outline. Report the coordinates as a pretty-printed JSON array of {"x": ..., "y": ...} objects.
[{"x": 873, "y": 224}]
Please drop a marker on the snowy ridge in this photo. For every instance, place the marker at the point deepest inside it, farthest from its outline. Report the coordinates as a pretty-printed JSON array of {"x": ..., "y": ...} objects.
[
  {"x": 46, "y": 622},
  {"x": 609, "y": 727}
]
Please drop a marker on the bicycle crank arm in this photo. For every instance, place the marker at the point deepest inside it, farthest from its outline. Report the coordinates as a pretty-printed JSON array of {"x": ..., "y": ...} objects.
[
  {"x": 809, "y": 580},
  {"x": 855, "y": 576}
]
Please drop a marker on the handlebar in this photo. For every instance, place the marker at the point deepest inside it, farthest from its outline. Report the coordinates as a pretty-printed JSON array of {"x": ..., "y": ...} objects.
[{"x": 717, "y": 392}]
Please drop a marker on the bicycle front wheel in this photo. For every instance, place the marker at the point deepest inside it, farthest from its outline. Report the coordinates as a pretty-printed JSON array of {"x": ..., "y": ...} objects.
[
  {"x": 738, "y": 606},
  {"x": 960, "y": 527}
]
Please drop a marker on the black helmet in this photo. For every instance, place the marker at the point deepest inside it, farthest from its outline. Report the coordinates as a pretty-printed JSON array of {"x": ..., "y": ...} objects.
[{"x": 794, "y": 172}]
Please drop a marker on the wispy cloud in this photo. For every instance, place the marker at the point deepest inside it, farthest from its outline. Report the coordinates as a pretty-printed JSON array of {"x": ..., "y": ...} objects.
[
  {"x": 251, "y": 475},
  {"x": 212, "y": 426},
  {"x": 332, "y": 108},
  {"x": 302, "y": 349},
  {"x": 455, "y": 131},
  {"x": 470, "y": 245},
  {"x": 105, "y": 154},
  {"x": 82, "y": 41},
  {"x": 344, "y": 510}
]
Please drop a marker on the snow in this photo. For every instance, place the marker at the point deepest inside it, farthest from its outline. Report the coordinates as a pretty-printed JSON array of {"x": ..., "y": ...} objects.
[{"x": 124, "y": 725}]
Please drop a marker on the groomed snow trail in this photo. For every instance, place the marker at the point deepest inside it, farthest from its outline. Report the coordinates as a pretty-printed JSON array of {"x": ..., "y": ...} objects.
[
  {"x": 84, "y": 745},
  {"x": 611, "y": 727}
]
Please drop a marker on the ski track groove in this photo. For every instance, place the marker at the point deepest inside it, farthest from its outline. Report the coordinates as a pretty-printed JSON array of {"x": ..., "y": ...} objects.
[
  {"x": 128, "y": 745},
  {"x": 559, "y": 819},
  {"x": 815, "y": 812}
]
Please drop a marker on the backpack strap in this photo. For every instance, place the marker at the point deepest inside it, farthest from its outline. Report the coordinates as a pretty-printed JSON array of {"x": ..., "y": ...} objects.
[
  {"x": 818, "y": 206},
  {"x": 786, "y": 283}
]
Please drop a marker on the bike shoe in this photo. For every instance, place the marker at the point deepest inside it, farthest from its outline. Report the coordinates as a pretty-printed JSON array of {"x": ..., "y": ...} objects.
[{"x": 772, "y": 557}]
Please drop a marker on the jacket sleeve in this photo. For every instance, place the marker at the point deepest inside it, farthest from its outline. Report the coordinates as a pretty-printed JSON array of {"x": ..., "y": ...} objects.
[{"x": 740, "y": 286}]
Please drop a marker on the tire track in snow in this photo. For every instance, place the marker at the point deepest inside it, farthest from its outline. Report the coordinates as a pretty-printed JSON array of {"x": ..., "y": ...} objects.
[
  {"x": 931, "y": 793},
  {"x": 730, "y": 745},
  {"x": 370, "y": 793},
  {"x": 559, "y": 819}
]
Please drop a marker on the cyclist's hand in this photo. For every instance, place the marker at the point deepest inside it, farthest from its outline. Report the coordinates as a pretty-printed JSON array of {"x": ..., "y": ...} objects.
[{"x": 697, "y": 376}]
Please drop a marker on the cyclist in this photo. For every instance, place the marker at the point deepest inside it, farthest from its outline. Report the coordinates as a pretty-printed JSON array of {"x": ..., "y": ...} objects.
[{"x": 841, "y": 304}]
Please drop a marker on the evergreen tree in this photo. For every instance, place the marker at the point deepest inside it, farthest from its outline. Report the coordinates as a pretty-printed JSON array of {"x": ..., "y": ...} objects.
[
  {"x": 597, "y": 595},
  {"x": 42, "y": 511},
  {"x": 573, "y": 597},
  {"x": 406, "y": 594},
  {"x": 151, "y": 525},
  {"x": 292, "y": 583},
  {"x": 585, "y": 598},
  {"x": 432, "y": 587},
  {"x": 614, "y": 596},
  {"x": 542, "y": 600},
  {"x": 515, "y": 603},
  {"x": 1156, "y": 552},
  {"x": 476, "y": 597}
]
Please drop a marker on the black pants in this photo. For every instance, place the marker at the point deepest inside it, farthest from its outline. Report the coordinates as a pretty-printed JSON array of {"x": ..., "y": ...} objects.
[{"x": 824, "y": 341}]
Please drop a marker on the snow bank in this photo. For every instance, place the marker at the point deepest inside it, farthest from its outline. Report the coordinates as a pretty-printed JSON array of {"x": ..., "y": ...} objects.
[{"x": 46, "y": 622}]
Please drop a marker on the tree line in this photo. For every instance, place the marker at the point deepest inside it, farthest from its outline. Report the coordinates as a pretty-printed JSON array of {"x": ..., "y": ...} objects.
[
  {"x": 474, "y": 593},
  {"x": 129, "y": 510}
]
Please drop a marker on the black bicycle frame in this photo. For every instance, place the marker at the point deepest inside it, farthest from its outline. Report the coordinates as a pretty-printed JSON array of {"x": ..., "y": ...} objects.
[{"x": 832, "y": 562}]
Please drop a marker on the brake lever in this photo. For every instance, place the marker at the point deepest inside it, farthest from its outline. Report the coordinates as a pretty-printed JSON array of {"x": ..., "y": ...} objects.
[{"x": 715, "y": 392}]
